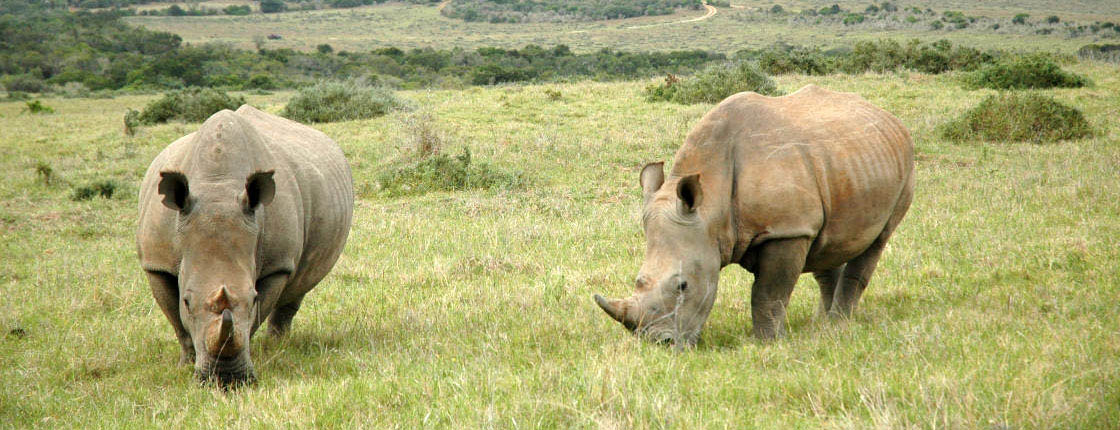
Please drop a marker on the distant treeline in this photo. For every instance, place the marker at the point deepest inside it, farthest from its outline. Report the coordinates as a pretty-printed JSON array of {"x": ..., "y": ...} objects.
[
  {"x": 41, "y": 47},
  {"x": 497, "y": 11}
]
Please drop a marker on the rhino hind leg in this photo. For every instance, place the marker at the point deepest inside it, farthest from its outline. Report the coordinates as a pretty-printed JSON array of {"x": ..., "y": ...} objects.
[
  {"x": 281, "y": 320},
  {"x": 780, "y": 263},
  {"x": 858, "y": 271},
  {"x": 828, "y": 280}
]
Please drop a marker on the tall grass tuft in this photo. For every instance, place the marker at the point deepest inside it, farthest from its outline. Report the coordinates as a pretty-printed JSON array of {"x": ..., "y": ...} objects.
[
  {"x": 341, "y": 101},
  {"x": 188, "y": 105},
  {"x": 713, "y": 84},
  {"x": 1020, "y": 117}
]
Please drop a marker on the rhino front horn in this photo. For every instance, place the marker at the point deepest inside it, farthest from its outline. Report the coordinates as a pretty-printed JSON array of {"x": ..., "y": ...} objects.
[
  {"x": 611, "y": 307},
  {"x": 224, "y": 342}
]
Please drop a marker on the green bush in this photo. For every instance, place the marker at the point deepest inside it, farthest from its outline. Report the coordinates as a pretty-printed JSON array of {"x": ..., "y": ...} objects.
[
  {"x": 27, "y": 83},
  {"x": 341, "y": 101},
  {"x": 189, "y": 105},
  {"x": 237, "y": 10},
  {"x": 853, "y": 18},
  {"x": 1020, "y": 18},
  {"x": 1053, "y": 19},
  {"x": 441, "y": 172},
  {"x": 713, "y": 84},
  {"x": 1019, "y": 117},
  {"x": 104, "y": 188},
  {"x": 36, "y": 107},
  {"x": 1024, "y": 72},
  {"x": 273, "y": 6},
  {"x": 806, "y": 61}
]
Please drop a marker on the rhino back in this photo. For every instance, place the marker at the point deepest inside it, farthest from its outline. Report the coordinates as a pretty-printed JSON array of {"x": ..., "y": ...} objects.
[{"x": 815, "y": 163}]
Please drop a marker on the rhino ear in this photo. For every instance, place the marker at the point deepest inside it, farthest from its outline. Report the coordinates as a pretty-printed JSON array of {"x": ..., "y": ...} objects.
[
  {"x": 653, "y": 175},
  {"x": 690, "y": 193},
  {"x": 259, "y": 190},
  {"x": 173, "y": 187}
]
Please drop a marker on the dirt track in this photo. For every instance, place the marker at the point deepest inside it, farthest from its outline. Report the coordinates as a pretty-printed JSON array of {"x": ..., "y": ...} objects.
[{"x": 712, "y": 11}]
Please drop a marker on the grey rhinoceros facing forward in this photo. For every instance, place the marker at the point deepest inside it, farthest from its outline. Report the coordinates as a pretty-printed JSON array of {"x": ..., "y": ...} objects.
[
  {"x": 815, "y": 181},
  {"x": 238, "y": 221}
]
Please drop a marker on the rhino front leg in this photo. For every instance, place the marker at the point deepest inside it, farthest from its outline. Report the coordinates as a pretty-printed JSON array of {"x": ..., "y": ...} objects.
[
  {"x": 827, "y": 280},
  {"x": 779, "y": 265},
  {"x": 281, "y": 320},
  {"x": 165, "y": 289}
]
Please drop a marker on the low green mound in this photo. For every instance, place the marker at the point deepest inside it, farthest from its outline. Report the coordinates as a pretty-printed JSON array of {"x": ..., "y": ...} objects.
[
  {"x": 1024, "y": 72},
  {"x": 341, "y": 101},
  {"x": 189, "y": 105},
  {"x": 713, "y": 84},
  {"x": 1023, "y": 117}
]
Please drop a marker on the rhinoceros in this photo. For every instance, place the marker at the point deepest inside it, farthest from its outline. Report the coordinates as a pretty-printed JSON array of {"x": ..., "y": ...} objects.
[
  {"x": 815, "y": 181},
  {"x": 238, "y": 221}
]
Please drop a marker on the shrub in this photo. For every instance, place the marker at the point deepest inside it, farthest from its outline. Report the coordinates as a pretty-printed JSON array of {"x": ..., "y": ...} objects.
[
  {"x": 324, "y": 48},
  {"x": 1105, "y": 52},
  {"x": 104, "y": 188},
  {"x": 72, "y": 90},
  {"x": 341, "y": 101},
  {"x": 777, "y": 9},
  {"x": 713, "y": 84},
  {"x": 936, "y": 25},
  {"x": 1020, "y": 18},
  {"x": 778, "y": 61},
  {"x": 27, "y": 82},
  {"x": 188, "y": 105},
  {"x": 853, "y": 18},
  {"x": 131, "y": 122},
  {"x": 237, "y": 10},
  {"x": 441, "y": 172},
  {"x": 273, "y": 6},
  {"x": 261, "y": 81},
  {"x": 1018, "y": 117},
  {"x": 36, "y": 107},
  {"x": 1053, "y": 19},
  {"x": 44, "y": 171},
  {"x": 1024, "y": 72}
]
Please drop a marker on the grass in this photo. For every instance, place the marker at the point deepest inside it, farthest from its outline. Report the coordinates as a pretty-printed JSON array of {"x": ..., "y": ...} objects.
[
  {"x": 411, "y": 26},
  {"x": 993, "y": 307}
]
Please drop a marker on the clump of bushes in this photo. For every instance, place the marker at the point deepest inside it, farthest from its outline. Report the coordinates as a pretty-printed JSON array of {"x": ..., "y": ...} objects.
[
  {"x": 1024, "y": 73},
  {"x": 713, "y": 84},
  {"x": 104, "y": 188},
  {"x": 783, "y": 60},
  {"x": 27, "y": 83},
  {"x": 1104, "y": 52},
  {"x": 341, "y": 101},
  {"x": 1021, "y": 117},
  {"x": 188, "y": 105}
]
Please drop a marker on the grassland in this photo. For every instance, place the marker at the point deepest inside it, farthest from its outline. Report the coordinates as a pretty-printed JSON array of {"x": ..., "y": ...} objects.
[
  {"x": 731, "y": 29},
  {"x": 995, "y": 305}
]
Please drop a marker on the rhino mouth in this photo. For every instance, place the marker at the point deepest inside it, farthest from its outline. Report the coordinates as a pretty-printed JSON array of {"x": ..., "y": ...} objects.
[{"x": 227, "y": 373}]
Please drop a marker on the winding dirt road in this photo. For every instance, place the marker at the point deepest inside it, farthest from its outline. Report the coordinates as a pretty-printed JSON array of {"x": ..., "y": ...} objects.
[{"x": 712, "y": 11}]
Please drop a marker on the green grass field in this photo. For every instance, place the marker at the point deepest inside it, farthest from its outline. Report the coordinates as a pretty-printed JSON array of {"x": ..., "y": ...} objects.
[
  {"x": 994, "y": 307},
  {"x": 731, "y": 29}
]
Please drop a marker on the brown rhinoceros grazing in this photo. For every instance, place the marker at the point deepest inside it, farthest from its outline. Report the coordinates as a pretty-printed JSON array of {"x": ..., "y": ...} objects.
[
  {"x": 238, "y": 221},
  {"x": 815, "y": 181}
]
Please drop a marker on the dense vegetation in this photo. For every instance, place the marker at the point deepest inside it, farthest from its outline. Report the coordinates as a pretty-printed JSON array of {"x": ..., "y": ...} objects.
[
  {"x": 713, "y": 84},
  {"x": 42, "y": 47},
  {"x": 1023, "y": 117},
  {"x": 874, "y": 56},
  {"x": 341, "y": 101},
  {"x": 496, "y": 11},
  {"x": 1025, "y": 72},
  {"x": 190, "y": 105}
]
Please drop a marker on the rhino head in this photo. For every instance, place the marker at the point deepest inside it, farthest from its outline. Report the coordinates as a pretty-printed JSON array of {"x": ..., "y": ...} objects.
[
  {"x": 217, "y": 229},
  {"x": 676, "y": 285}
]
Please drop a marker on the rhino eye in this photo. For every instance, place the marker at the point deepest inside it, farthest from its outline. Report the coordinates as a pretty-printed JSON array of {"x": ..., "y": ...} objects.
[
  {"x": 187, "y": 303},
  {"x": 683, "y": 286}
]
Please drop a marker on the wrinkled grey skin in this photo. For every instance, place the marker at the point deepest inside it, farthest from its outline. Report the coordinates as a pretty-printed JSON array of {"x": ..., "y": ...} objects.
[
  {"x": 238, "y": 221},
  {"x": 815, "y": 181}
]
